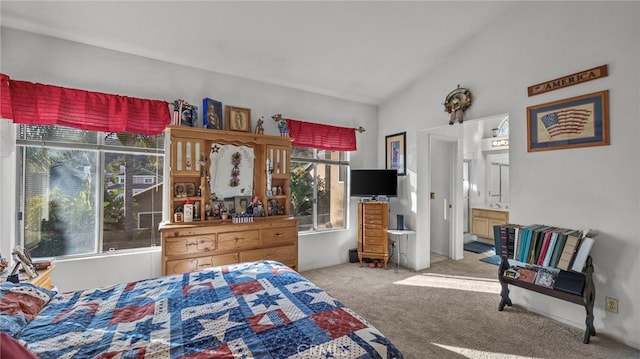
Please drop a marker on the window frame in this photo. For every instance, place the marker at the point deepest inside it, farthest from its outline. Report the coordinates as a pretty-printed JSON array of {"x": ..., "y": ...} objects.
[
  {"x": 314, "y": 160},
  {"x": 101, "y": 148}
]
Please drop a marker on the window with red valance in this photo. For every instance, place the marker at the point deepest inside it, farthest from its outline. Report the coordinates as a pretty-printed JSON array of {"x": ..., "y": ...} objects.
[
  {"x": 39, "y": 104},
  {"x": 322, "y": 137}
]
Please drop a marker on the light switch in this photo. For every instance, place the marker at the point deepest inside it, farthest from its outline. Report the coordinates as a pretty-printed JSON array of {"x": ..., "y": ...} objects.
[{"x": 433, "y": 195}]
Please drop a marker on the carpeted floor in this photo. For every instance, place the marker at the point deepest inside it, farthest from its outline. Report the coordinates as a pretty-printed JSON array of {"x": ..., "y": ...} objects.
[{"x": 451, "y": 311}]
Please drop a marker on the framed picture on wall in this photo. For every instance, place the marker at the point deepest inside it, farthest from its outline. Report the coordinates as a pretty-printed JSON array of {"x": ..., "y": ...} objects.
[
  {"x": 395, "y": 153},
  {"x": 573, "y": 122}
]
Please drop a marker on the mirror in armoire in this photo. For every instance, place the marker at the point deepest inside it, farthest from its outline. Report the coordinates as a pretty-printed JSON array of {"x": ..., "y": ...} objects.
[{"x": 231, "y": 173}]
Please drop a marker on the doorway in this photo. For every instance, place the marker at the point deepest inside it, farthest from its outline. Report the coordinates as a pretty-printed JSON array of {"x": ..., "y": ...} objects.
[{"x": 467, "y": 156}]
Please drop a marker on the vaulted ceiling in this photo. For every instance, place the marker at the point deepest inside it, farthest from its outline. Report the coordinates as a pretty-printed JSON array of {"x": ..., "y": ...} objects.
[{"x": 363, "y": 51}]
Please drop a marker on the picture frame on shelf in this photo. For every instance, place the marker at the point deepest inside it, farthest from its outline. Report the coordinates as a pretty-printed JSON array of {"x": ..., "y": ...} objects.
[
  {"x": 179, "y": 189},
  {"x": 238, "y": 118},
  {"x": 241, "y": 203},
  {"x": 227, "y": 205},
  {"x": 190, "y": 116},
  {"x": 190, "y": 189},
  {"x": 581, "y": 121},
  {"x": 395, "y": 152},
  {"x": 212, "y": 114},
  {"x": 184, "y": 114}
]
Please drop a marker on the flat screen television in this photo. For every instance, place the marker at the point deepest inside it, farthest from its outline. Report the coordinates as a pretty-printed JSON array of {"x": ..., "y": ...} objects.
[{"x": 374, "y": 183}]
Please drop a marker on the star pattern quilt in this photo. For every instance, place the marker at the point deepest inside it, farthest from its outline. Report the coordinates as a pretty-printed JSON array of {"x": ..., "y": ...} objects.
[{"x": 248, "y": 310}]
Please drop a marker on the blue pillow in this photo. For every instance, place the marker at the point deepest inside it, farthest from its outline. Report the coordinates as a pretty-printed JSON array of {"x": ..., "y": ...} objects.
[{"x": 19, "y": 304}]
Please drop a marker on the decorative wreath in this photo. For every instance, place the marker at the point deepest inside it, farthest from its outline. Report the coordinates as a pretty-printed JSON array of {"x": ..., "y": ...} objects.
[{"x": 456, "y": 103}]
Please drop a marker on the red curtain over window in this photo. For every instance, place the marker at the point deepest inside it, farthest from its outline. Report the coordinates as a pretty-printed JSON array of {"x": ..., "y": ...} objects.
[
  {"x": 39, "y": 104},
  {"x": 5, "y": 98},
  {"x": 323, "y": 137}
]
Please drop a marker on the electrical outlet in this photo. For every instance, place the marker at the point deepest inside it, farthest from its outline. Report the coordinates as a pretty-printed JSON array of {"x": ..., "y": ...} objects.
[{"x": 611, "y": 305}]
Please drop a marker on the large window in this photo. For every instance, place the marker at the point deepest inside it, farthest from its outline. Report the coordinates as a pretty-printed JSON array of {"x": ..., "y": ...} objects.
[
  {"x": 83, "y": 192},
  {"x": 318, "y": 189}
]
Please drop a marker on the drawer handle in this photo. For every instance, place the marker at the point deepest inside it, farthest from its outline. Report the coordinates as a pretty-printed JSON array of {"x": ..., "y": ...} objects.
[
  {"x": 239, "y": 239},
  {"x": 192, "y": 244},
  {"x": 279, "y": 234}
]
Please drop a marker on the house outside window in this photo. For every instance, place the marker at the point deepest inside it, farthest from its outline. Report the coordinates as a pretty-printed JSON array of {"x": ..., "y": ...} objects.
[
  {"x": 318, "y": 191},
  {"x": 74, "y": 198}
]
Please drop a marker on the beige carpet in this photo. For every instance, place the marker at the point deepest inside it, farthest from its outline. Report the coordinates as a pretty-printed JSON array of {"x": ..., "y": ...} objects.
[{"x": 451, "y": 311}]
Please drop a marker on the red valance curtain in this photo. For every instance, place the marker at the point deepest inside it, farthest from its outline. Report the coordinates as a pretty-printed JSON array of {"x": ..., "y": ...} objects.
[
  {"x": 322, "y": 137},
  {"x": 5, "y": 98},
  {"x": 39, "y": 104}
]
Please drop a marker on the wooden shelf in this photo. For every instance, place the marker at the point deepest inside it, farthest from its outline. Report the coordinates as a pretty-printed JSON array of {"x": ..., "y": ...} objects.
[{"x": 587, "y": 298}]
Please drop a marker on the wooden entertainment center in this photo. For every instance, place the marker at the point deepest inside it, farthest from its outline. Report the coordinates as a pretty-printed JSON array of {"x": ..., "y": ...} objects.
[{"x": 219, "y": 232}]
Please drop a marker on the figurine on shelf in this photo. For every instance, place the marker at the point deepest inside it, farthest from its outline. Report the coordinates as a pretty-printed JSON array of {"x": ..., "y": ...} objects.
[
  {"x": 207, "y": 211},
  {"x": 259, "y": 128},
  {"x": 202, "y": 163},
  {"x": 260, "y": 209},
  {"x": 282, "y": 125}
]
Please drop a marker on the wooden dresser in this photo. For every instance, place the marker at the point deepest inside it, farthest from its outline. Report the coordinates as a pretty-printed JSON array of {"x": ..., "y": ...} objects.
[
  {"x": 212, "y": 239},
  {"x": 372, "y": 231},
  {"x": 191, "y": 247}
]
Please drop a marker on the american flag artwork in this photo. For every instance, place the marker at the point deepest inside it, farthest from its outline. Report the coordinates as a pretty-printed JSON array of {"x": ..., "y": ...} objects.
[{"x": 567, "y": 121}]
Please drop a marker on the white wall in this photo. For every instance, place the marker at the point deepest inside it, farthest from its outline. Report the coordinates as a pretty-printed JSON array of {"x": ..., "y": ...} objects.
[
  {"x": 595, "y": 187},
  {"x": 30, "y": 57}
]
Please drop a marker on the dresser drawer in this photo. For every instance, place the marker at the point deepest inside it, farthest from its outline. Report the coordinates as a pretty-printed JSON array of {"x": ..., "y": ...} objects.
[
  {"x": 375, "y": 220},
  {"x": 238, "y": 240},
  {"x": 189, "y": 245},
  {"x": 374, "y": 248},
  {"x": 286, "y": 254},
  {"x": 373, "y": 211},
  {"x": 279, "y": 235},
  {"x": 374, "y": 240},
  {"x": 499, "y": 215},
  {"x": 194, "y": 264},
  {"x": 185, "y": 265},
  {"x": 375, "y": 232}
]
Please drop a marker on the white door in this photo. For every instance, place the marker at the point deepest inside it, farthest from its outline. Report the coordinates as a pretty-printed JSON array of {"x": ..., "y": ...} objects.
[
  {"x": 442, "y": 160},
  {"x": 466, "y": 195}
]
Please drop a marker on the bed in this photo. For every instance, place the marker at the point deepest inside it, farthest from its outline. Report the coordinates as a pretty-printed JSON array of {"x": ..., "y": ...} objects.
[{"x": 248, "y": 310}]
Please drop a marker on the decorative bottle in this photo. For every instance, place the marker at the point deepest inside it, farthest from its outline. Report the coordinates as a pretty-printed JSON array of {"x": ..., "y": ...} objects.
[{"x": 188, "y": 211}]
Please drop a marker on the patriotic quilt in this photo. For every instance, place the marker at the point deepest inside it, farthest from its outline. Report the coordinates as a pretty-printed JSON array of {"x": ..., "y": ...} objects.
[{"x": 248, "y": 310}]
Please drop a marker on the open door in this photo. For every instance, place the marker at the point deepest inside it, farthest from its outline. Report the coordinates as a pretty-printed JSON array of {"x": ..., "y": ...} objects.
[{"x": 441, "y": 159}]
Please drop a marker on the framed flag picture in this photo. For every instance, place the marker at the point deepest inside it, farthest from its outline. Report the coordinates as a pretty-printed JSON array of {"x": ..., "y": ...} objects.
[{"x": 580, "y": 121}]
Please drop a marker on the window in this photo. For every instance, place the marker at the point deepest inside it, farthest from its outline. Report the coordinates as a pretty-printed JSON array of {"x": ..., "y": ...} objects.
[
  {"x": 77, "y": 194},
  {"x": 318, "y": 192}
]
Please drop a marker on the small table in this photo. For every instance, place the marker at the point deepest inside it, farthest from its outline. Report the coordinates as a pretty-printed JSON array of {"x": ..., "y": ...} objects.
[{"x": 399, "y": 233}]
